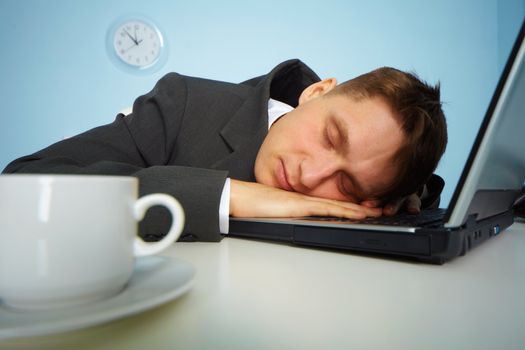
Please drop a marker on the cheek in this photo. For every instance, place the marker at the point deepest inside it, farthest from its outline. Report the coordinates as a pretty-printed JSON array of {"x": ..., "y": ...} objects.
[
  {"x": 262, "y": 167},
  {"x": 309, "y": 141}
]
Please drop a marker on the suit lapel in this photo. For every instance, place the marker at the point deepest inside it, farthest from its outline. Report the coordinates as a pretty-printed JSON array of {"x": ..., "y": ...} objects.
[{"x": 244, "y": 135}]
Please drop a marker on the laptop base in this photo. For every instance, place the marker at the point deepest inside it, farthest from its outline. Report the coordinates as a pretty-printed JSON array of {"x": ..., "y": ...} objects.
[{"x": 434, "y": 245}]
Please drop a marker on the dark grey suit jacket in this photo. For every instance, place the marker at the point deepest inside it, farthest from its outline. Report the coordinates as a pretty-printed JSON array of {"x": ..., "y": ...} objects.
[{"x": 183, "y": 138}]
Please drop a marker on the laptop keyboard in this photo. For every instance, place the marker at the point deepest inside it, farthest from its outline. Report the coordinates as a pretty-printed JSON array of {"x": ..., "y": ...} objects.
[{"x": 424, "y": 218}]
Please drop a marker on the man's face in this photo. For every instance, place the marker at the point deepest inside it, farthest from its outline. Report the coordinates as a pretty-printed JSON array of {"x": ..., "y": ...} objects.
[{"x": 332, "y": 146}]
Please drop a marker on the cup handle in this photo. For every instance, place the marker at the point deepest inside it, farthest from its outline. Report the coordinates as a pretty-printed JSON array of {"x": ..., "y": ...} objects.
[{"x": 141, "y": 248}]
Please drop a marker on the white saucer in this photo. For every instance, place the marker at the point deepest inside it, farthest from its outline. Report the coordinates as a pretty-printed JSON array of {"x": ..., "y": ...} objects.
[{"x": 156, "y": 280}]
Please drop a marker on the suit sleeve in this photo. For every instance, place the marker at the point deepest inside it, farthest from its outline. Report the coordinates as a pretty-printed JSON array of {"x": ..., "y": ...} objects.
[{"x": 141, "y": 145}]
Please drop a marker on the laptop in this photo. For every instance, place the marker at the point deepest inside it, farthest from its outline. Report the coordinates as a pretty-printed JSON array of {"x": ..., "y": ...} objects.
[{"x": 481, "y": 206}]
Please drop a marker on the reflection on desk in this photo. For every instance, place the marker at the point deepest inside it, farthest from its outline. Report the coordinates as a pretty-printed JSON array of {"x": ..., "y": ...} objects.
[{"x": 259, "y": 295}]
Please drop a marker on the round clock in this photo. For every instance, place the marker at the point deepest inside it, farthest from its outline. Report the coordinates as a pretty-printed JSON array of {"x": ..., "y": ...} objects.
[{"x": 136, "y": 45}]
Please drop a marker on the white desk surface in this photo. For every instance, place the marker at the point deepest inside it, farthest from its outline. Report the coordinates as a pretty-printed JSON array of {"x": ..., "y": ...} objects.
[{"x": 258, "y": 295}]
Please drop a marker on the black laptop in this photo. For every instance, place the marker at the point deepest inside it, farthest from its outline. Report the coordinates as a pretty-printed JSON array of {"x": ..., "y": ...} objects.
[{"x": 481, "y": 206}]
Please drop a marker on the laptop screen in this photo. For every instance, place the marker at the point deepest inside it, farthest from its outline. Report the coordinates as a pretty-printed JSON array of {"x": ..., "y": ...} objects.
[{"x": 495, "y": 170}]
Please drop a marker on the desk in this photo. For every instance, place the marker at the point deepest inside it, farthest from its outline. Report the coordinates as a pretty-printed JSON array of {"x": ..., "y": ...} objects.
[{"x": 258, "y": 295}]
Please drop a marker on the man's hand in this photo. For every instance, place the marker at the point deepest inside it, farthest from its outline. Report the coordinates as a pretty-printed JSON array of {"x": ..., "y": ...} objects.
[
  {"x": 411, "y": 204},
  {"x": 249, "y": 199}
]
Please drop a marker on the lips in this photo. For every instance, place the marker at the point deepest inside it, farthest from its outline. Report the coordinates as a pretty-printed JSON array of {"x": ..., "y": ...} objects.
[{"x": 281, "y": 177}]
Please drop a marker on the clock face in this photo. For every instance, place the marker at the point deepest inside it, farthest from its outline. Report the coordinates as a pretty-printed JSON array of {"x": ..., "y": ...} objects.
[{"x": 137, "y": 43}]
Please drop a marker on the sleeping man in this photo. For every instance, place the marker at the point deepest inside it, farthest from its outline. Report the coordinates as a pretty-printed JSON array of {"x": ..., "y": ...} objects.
[{"x": 282, "y": 144}]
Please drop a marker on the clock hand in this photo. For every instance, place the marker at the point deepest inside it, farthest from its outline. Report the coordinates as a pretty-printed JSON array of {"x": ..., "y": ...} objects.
[
  {"x": 132, "y": 38},
  {"x": 129, "y": 48},
  {"x": 137, "y": 41}
]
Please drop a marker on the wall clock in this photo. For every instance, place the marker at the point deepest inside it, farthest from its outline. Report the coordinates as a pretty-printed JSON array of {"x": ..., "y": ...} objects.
[{"x": 136, "y": 45}]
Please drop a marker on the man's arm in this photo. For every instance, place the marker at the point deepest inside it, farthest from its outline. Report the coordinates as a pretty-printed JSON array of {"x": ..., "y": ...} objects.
[
  {"x": 197, "y": 189},
  {"x": 140, "y": 145},
  {"x": 250, "y": 199}
]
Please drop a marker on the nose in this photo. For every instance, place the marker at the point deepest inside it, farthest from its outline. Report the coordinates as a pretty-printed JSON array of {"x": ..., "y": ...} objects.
[{"x": 315, "y": 171}]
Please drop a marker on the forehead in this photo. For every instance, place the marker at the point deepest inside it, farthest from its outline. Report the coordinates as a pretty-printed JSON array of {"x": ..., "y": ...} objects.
[{"x": 372, "y": 107}]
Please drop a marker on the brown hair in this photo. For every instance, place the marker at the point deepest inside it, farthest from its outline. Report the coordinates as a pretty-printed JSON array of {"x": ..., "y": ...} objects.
[{"x": 418, "y": 107}]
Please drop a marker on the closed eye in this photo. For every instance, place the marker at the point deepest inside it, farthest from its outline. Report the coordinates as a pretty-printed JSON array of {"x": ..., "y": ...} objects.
[
  {"x": 328, "y": 141},
  {"x": 332, "y": 135}
]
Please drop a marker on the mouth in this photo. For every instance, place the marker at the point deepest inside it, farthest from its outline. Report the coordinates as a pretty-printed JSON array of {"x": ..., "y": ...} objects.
[{"x": 282, "y": 177}]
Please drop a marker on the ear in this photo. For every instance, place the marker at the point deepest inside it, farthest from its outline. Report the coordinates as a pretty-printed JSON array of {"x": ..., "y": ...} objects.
[{"x": 317, "y": 89}]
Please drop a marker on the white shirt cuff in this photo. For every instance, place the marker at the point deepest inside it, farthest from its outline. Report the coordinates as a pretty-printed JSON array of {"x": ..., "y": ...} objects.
[{"x": 224, "y": 208}]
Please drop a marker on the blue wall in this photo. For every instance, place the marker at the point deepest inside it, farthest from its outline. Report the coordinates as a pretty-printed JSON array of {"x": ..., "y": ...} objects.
[
  {"x": 510, "y": 16},
  {"x": 56, "y": 79}
]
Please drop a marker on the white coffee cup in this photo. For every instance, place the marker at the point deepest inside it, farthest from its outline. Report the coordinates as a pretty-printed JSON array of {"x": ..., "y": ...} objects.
[{"x": 71, "y": 239}]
